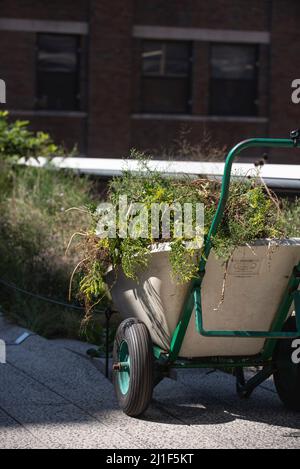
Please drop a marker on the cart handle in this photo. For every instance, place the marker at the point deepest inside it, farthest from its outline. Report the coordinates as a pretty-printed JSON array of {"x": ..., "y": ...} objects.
[{"x": 294, "y": 141}]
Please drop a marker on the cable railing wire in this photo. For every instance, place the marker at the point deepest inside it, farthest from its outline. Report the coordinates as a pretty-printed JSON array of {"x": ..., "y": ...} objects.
[{"x": 12, "y": 286}]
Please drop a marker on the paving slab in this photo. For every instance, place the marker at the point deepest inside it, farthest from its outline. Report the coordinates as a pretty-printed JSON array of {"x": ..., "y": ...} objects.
[{"x": 53, "y": 396}]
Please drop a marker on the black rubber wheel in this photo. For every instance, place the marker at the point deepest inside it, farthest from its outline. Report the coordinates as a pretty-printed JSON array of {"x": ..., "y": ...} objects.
[
  {"x": 287, "y": 374},
  {"x": 134, "y": 386}
]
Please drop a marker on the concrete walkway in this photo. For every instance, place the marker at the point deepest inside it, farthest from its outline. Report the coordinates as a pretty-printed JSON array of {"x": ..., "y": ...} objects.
[{"x": 53, "y": 396}]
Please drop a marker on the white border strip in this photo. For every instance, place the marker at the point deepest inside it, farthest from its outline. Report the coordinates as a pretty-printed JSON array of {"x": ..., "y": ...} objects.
[
  {"x": 275, "y": 175},
  {"x": 44, "y": 26},
  {"x": 200, "y": 34},
  {"x": 200, "y": 118}
]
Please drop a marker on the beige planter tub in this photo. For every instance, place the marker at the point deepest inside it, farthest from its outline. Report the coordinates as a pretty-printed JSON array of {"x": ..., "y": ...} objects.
[{"x": 256, "y": 281}]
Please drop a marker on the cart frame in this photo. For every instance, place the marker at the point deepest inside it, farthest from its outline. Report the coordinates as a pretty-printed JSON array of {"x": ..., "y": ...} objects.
[
  {"x": 132, "y": 396},
  {"x": 192, "y": 302}
]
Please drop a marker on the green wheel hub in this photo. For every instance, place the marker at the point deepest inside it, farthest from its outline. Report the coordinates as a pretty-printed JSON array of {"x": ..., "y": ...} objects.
[{"x": 124, "y": 376}]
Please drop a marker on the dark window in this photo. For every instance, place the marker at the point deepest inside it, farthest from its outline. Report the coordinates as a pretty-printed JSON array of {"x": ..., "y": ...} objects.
[
  {"x": 233, "y": 80},
  {"x": 166, "y": 77},
  {"x": 57, "y": 72}
]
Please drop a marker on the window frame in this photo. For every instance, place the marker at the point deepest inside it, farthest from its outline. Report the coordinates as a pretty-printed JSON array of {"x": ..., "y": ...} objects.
[
  {"x": 77, "y": 100},
  {"x": 188, "y": 78},
  {"x": 255, "y": 79}
]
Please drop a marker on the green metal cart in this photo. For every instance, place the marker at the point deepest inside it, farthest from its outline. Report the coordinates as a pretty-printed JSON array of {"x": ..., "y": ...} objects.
[{"x": 159, "y": 334}]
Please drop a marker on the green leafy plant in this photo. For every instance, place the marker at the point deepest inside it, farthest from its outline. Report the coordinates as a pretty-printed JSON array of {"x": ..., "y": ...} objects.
[
  {"x": 291, "y": 217},
  {"x": 18, "y": 141},
  {"x": 252, "y": 212}
]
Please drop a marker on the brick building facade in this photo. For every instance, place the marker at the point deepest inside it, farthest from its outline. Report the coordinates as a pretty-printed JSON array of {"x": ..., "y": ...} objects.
[{"x": 111, "y": 75}]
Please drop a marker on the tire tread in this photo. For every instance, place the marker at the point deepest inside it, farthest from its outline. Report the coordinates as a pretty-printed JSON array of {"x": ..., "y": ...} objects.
[{"x": 139, "y": 395}]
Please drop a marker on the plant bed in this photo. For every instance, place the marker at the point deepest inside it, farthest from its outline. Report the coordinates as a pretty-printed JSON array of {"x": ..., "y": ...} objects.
[{"x": 35, "y": 229}]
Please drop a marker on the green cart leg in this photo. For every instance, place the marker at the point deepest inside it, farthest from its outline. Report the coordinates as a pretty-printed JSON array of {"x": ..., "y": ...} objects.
[{"x": 245, "y": 388}]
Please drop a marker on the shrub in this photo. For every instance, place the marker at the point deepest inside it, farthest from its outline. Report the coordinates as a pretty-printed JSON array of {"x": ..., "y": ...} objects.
[
  {"x": 17, "y": 141},
  {"x": 35, "y": 230}
]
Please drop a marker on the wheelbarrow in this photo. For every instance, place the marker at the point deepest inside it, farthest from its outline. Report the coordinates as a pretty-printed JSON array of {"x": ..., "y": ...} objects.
[{"x": 170, "y": 326}]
